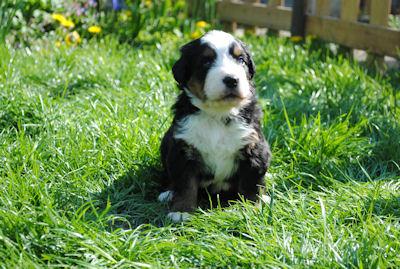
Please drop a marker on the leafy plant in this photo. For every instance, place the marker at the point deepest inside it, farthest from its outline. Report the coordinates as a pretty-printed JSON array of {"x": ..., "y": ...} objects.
[
  {"x": 67, "y": 21},
  {"x": 202, "y": 10},
  {"x": 394, "y": 21},
  {"x": 8, "y": 9}
]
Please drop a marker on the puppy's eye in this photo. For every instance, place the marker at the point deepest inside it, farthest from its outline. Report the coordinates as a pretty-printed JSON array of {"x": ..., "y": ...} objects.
[
  {"x": 241, "y": 60},
  {"x": 206, "y": 61}
]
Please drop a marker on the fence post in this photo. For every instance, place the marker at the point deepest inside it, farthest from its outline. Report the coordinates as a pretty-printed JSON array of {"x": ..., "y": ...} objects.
[
  {"x": 349, "y": 10},
  {"x": 228, "y": 26},
  {"x": 380, "y": 10},
  {"x": 251, "y": 28},
  {"x": 297, "y": 28},
  {"x": 323, "y": 7},
  {"x": 274, "y": 4}
]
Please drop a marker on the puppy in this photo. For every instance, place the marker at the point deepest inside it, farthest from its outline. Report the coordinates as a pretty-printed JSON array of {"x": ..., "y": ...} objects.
[{"x": 215, "y": 140}]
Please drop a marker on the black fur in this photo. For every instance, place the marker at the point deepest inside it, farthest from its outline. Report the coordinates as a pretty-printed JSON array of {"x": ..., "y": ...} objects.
[
  {"x": 192, "y": 63},
  {"x": 183, "y": 164},
  {"x": 249, "y": 61}
]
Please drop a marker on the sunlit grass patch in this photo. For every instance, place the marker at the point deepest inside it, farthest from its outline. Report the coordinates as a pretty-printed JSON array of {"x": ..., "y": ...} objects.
[{"x": 79, "y": 163}]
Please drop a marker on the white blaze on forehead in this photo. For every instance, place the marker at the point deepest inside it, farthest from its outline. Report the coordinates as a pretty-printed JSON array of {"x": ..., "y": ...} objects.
[
  {"x": 224, "y": 65},
  {"x": 218, "y": 39}
]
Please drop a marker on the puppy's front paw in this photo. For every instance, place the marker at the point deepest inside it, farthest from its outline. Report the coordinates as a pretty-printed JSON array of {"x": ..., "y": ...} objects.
[
  {"x": 165, "y": 196},
  {"x": 265, "y": 199},
  {"x": 178, "y": 216}
]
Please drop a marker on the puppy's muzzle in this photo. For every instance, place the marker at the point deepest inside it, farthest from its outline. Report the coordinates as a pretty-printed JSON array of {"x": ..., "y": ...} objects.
[
  {"x": 231, "y": 91},
  {"x": 231, "y": 82}
]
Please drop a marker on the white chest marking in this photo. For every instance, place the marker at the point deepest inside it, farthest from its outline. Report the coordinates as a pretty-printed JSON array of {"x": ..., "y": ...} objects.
[{"x": 218, "y": 143}]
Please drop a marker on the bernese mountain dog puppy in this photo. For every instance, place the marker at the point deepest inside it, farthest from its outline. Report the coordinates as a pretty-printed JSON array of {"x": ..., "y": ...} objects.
[{"x": 215, "y": 140}]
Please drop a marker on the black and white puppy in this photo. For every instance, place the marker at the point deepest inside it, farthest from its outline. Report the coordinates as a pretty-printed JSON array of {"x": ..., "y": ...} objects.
[{"x": 215, "y": 140}]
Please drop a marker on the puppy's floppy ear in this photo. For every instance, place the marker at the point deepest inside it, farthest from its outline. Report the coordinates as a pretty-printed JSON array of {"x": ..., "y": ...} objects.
[
  {"x": 249, "y": 60},
  {"x": 181, "y": 69},
  {"x": 251, "y": 65}
]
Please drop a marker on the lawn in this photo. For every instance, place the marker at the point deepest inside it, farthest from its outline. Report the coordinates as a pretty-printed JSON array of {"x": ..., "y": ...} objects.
[{"x": 80, "y": 130}]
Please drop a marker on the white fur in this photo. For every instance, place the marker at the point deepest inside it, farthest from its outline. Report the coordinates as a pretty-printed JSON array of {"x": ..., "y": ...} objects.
[
  {"x": 165, "y": 196},
  {"x": 224, "y": 65},
  {"x": 218, "y": 39},
  {"x": 178, "y": 216},
  {"x": 265, "y": 199},
  {"x": 218, "y": 108},
  {"x": 217, "y": 142}
]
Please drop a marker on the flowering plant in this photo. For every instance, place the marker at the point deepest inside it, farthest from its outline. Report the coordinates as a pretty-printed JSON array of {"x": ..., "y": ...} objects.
[{"x": 73, "y": 22}]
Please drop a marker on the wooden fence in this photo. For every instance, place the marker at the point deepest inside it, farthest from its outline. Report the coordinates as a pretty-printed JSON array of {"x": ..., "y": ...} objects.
[{"x": 374, "y": 36}]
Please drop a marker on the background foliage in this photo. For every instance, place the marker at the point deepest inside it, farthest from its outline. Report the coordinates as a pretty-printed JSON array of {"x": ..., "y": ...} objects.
[{"x": 26, "y": 21}]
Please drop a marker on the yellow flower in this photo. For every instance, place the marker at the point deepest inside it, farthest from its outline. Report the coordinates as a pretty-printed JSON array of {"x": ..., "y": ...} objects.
[
  {"x": 67, "y": 23},
  {"x": 195, "y": 35},
  {"x": 201, "y": 24},
  {"x": 58, "y": 17},
  {"x": 296, "y": 38},
  {"x": 147, "y": 3},
  {"x": 58, "y": 44},
  {"x": 94, "y": 29},
  {"x": 62, "y": 20},
  {"x": 73, "y": 38}
]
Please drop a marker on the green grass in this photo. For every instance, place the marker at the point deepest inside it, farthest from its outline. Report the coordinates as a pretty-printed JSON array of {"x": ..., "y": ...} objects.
[{"x": 79, "y": 136}]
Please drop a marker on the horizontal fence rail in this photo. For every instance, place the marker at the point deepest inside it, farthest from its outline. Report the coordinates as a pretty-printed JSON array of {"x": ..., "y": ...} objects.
[{"x": 334, "y": 21}]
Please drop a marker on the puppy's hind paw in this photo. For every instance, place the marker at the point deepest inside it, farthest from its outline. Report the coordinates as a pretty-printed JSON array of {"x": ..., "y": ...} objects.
[
  {"x": 178, "y": 216},
  {"x": 165, "y": 196}
]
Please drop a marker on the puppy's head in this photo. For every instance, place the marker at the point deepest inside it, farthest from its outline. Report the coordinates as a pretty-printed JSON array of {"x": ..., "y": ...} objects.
[{"x": 216, "y": 72}]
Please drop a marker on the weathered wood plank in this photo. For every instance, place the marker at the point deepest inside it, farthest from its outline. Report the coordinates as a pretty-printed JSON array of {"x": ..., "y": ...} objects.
[
  {"x": 228, "y": 25},
  {"x": 247, "y": 27},
  {"x": 278, "y": 18},
  {"x": 379, "y": 16},
  {"x": 348, "y": 33},
  {"x": 349, "y": 10},
  {"x": 274, "y": 3},
  {"x": 367, "y": 6},
  {"x": 380, "y": 12},
  {"x": 356, "y": 35},
  {"x": 323, "y": 8}
]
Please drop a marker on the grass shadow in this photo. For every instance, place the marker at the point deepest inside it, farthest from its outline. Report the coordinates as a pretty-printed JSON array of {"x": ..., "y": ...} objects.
[
  {"x": 21, "y": 114},
  {"x": 70, "y": 87},
  {"x": 385, "y": 207},
  {"x": 131, "y": 200}
]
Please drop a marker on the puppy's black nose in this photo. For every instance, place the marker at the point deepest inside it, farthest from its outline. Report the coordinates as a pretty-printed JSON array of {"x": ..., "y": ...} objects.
[{"x": 230, "y": 82}]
